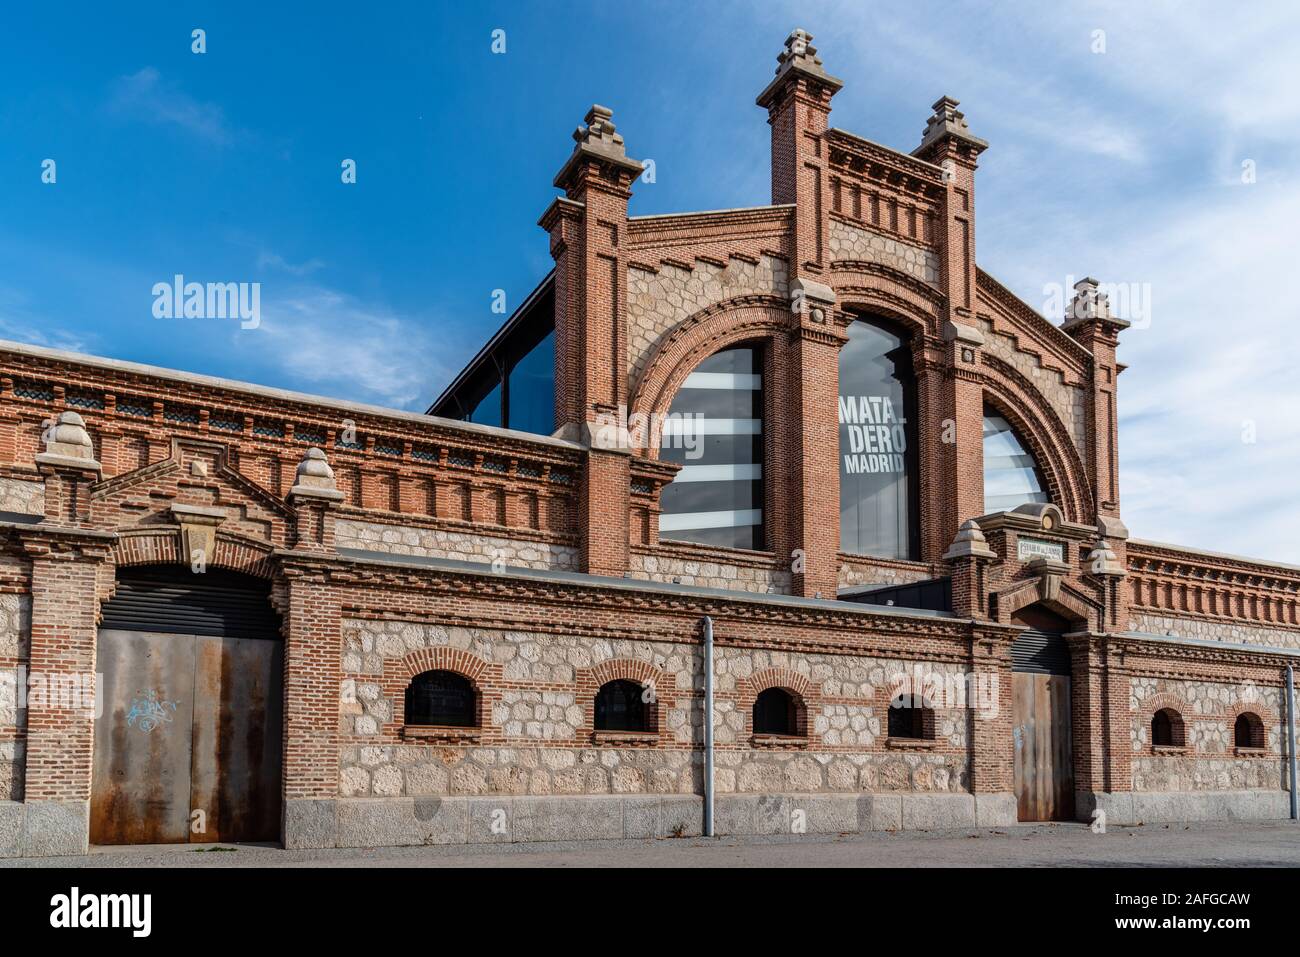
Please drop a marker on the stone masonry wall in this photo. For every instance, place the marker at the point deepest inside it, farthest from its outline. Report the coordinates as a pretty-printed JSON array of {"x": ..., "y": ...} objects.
[
  {"x": 853, "y": 243},
  {"x": 868, "y": 572},
  {"x": 709, "y": 574},
  {"x": 459, "y": 546},
  {"x": 537, "y": 739},
  {"x": 1069, "y": 402},
  {"x": 15, "y": 640},
  {"x": 24, "y": 498},
  {"x": 1231, "y": 632},
  {"x": 658, "y": 301},
  {"x": 1209, "y": 711}
]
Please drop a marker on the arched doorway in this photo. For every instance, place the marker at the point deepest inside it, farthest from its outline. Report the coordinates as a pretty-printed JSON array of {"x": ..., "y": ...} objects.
[
  {"x": 188, "y": 737},
  {"x": 1040, "y": 694}
]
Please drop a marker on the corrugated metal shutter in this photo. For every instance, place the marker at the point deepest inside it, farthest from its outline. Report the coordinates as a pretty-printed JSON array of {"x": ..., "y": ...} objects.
[
  {"x": 175, "y": 600},
  {"x": 1040, "y": 652}
]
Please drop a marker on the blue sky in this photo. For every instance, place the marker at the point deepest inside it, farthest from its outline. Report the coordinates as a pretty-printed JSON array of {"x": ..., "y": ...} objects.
[{"x": 1124, "y": 164}]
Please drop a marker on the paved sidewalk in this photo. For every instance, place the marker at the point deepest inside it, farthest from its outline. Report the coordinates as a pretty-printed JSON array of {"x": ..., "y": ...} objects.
[{"x": 1271, "y": 844}]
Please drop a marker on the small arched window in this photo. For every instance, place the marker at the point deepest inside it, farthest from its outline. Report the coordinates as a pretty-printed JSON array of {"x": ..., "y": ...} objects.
[
  {"x": 1166, "y": 729},
  {"x": 621, "y": 706},
  {"x": 441, "y": 698},
  {"x": 1248, "y": 731},
  {"x": 909, "y": 719},
  {"x": 777, "y": 711}
]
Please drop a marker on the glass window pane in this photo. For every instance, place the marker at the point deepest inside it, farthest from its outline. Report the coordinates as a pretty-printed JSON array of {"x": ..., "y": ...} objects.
[
  {"x": 715, "y": 430},
  {"x": 488, "y": 410},
  {"x": 876, "y": 414},
  {"x": 1010, "y": 472},
  {"x": 532, "y": 389}
]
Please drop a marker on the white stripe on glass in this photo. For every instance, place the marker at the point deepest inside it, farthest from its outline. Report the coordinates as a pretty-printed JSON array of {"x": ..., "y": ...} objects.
[
  {"x": 720, "y": 473},
  {"x": 735, "y": 381},
  {"x": 690, "y": 425},
  {"x": 731, "y": 518}
]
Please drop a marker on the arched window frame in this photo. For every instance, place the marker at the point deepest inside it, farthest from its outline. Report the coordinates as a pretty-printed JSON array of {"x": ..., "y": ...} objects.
[
  {"x": 1028, "y": 448},
  {"x": 1248, "y": 733},
  {"x": 797, "y": 723},
  {"x": 904, "y": 366},
  {"x": 1172, "y": 720},
  {"x": 649, "y": 723},
  {"x": 910, "y": 722},
  {"x": 475, "y": 717}
]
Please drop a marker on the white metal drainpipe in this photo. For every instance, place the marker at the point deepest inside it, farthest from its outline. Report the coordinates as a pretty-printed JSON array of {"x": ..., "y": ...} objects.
[
  {"x": 1290, "y": 731},
  {"x": 708, "y": 732}
]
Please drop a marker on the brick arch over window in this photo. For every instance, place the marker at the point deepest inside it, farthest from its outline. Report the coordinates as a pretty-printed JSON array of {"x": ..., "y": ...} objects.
[
  {"x": 1044, "y": 434},
  {"x": 161, "y": 545},
  {"x": 1263, "y": 719},
  {"x": 591, "y": 680},
  {"x": 728, "y": 323},
  {"x": 1172, "y": 705},
  {"x": 398, "y": 673},
  {"x": 881, "y": 291},
  {"x": 807, "y": 698}
]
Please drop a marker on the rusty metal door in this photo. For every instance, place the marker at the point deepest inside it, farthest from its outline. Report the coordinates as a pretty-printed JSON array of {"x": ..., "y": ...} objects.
[
  {"x": 235, "y": 776},
  {"x": 188, "y": 744},
  {"x": 141, "y": 785},
  {"x": 1044, "y": 768}
]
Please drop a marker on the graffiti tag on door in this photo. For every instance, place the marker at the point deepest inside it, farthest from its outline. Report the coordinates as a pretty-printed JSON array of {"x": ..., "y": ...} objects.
[{"x": 149, "y": 710}]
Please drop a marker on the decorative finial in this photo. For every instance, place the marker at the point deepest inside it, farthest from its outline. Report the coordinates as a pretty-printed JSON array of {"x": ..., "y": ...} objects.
[
  {"x": 799, "y": 51},
  {"x": 798, "y": 56},
  {"x": 598, "y": 138},
  {"x": 315, "y": 477},
  {"x": 947, "y": 120},
  {"x": 1090, "y": 304},
  {"x": 1103, "y": 562},
  {"x": 969, "y": 543},
  {"x": 68, "y": 443}
]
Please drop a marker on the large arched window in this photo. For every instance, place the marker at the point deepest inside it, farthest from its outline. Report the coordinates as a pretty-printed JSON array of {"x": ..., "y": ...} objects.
[
  {"x": 1011, "y": 476},
  {"x": 715, "y": 429},
  {"x": 621, "y": 706},
  {"x": 441, "y": 698},
  {"x": 877, "y": 446}
]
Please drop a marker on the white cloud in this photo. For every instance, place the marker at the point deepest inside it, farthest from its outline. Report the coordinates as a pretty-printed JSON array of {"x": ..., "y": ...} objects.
[
  {"x": 332, "y": 343},
  {"x": 269, "y": 260},
  {"x": 146, "y": 96},
  {"x": 1126, "y": 166}
]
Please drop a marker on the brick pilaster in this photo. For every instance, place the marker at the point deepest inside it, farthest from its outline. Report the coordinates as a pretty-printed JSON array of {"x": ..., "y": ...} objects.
[
  {"x": 806, "y": 485},
  {"x": 588, "y": 228},
  {"x": 949, "y": 144},
  {"x": 312, "y": 684}
]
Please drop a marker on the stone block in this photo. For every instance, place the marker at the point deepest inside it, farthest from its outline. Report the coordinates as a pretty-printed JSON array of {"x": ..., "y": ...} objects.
[
  {"x": 11, "y": 828},
  {"x": 585, "y": 818},
  {"x": 490, "y": 820},
  {"x": 995, "y": 810},
  {"x": 923, "y": 811},
  {"x": 56, "y": 828},
  {"x": 395, "y": 822},
  {"x": 310, "y": 823}
]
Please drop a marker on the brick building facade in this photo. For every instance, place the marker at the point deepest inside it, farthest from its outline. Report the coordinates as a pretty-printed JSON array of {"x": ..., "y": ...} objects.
[{"x": 492, "y": 635}]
